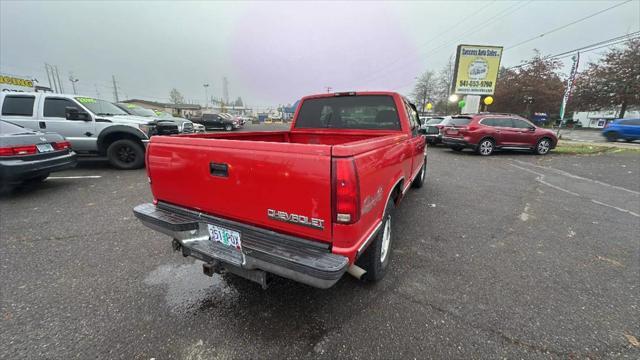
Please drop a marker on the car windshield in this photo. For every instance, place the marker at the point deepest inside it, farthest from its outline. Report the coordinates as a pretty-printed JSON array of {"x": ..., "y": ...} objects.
[
  {"x": 100, "y": 107},
  {"x": 138, "y": 110},
  {"x": 434, "y": 121},
  {"x": 163, "y": 114},
  {"x": 370, "y": 112}
]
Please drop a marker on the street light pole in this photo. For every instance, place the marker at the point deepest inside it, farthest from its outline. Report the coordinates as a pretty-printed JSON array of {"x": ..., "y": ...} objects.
[
  {"x": 73, "y": 83},
  {"x": 206, "y": 99}
]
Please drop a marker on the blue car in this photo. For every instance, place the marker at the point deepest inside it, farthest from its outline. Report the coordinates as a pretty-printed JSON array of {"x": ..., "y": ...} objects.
[{"x": 626, "y": 129}]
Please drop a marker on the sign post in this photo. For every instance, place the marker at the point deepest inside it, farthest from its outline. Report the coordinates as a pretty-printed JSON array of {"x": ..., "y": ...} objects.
[
  {"x": 476, "y": 73},
  {"x": 567, "y": 92}
]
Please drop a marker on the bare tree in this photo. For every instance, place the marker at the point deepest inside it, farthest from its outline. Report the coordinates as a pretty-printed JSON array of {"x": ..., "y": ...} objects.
[
  {"x": 424, "y": 90},
  {"x": 175, "y": 97}
]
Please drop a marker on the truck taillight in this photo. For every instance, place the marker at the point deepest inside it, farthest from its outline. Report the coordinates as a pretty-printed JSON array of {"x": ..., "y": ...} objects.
[
  {"x": 346, "y": 191},
  {"x": 18, "y": 150},
  {"x": 61, "y": 145}
]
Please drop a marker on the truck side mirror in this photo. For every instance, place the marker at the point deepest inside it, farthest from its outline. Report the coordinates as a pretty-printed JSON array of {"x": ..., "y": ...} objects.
[{"x": 72, "y": 113}]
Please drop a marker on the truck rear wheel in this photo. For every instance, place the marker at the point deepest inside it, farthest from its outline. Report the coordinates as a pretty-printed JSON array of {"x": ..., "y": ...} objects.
[
  {"x": 419, "y": 179},
  {"x": 376, "y": 258},
  {"x": 126, "y": 154}
]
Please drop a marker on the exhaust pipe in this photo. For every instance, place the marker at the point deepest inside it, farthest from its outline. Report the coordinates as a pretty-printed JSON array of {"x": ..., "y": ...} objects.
[{"x": 356, "y": 271}]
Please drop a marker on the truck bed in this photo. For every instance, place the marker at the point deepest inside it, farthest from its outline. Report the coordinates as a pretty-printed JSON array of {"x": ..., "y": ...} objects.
[{"x": 222, "y": 174}]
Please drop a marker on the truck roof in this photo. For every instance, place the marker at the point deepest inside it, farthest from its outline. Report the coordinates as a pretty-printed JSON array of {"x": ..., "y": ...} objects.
[{"x": 350, "y": 93}]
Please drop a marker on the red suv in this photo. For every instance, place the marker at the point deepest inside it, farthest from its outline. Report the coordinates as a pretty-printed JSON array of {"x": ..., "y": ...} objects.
[{"x": 487, "y": 132}]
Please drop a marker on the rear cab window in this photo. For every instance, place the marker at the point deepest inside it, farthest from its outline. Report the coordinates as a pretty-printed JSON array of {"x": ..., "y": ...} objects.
[
  {"x": 364, "y": 112},
  {"x": 18, "y": 105}
]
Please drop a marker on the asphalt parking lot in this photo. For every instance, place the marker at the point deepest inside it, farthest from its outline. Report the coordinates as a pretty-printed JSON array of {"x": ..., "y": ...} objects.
[{"x": 511, "y": 256}]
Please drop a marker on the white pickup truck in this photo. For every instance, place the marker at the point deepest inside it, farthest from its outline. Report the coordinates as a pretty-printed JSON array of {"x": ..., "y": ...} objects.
[{"x": 93, "y": 127}]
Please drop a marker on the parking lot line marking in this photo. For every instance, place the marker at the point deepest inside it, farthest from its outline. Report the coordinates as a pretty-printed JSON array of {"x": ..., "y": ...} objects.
[
  {"x": 541, "y": 177},
  {"x": 75, "y": 177},
  {"x": 615, "y": 207},
  {"x": 570, "y": 175}
]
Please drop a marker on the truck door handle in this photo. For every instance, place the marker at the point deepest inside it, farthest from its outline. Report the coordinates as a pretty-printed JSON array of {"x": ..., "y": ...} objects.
[
  {"x": 497, "y": 131},
  {"x": 221, "y": 170},
  {"x": 42, "y": 125}
]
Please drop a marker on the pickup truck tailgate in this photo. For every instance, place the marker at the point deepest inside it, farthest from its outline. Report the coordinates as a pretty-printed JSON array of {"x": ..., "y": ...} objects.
[{"x": 279, "y": 186}]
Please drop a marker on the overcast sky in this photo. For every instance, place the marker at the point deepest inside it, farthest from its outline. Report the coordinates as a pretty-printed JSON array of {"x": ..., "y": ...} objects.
[{"x": 275, "y": 52}]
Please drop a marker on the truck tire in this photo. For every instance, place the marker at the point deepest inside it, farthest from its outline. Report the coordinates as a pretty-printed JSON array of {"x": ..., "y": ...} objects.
[
  {"x": 126, "y": 154},
  {"x": 419, "y": 179},
  {"x": 228, "y": 127},
  {"x": 377, "y": 257}
]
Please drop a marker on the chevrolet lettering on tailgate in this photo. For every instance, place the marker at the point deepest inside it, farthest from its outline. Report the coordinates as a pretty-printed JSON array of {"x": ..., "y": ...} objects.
[{"x": 295, "y": 219}]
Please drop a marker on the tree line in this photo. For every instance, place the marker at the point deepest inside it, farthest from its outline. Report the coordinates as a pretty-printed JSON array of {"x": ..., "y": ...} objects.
[{"x": 538, "y": 85}]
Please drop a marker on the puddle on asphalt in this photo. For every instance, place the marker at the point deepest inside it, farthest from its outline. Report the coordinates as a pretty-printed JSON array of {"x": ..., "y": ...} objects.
[{"x": 187, "y": 287}]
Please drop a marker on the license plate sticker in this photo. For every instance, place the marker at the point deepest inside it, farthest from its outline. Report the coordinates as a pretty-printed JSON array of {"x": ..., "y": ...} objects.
[
  {"x": 43, "y": 148},
  {"x": 225, "y": 237}
]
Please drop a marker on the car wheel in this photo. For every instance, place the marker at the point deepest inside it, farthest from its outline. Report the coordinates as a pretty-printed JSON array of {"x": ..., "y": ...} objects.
[
  {"x": 419, "y": 180},
  {"x": 612, "y": 136},
  {"x": 543, "y": 146},
  {"x": 457, "y": 148},
  {"x": 126, "y": 154},
  {"x": 376, "y": 258},
  {"x": 485, "y": 147},
  {"x": 228, "y": 127}
]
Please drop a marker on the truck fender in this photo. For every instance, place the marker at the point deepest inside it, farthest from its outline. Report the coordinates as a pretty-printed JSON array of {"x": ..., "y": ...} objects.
[
  {"x": 393, "y": 185},
  {"x": 123, "y": 130}
]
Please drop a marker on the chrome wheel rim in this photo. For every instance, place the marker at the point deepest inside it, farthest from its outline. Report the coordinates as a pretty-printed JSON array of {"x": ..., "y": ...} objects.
[
  {"x": 386, "y": 240},
  {"x": 543, "y": 147},
  {"x": 486, "y": 147}
]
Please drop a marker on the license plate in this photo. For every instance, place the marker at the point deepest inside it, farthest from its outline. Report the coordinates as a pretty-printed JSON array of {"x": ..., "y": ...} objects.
[
  {"x": 226, "y": 237},
  {"x": 44, "y": 148},
  {"x": 452, "y": 132}
]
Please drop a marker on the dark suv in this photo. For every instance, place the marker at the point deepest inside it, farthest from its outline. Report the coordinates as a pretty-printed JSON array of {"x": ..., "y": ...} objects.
[{"x": 486, "y": 132}]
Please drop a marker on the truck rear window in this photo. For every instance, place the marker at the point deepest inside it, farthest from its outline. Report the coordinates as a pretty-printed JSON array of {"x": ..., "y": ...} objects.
[{"x": 367, "y": 112}]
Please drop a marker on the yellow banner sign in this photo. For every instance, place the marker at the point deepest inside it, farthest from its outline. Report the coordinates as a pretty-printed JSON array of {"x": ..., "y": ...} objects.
[
  {"x": 476, "y": 69},
  {"x": 15, "y": 81}
]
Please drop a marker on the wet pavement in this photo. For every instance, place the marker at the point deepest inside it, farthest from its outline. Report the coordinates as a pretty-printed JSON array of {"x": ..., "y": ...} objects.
[{"x": 512, "y": 256}]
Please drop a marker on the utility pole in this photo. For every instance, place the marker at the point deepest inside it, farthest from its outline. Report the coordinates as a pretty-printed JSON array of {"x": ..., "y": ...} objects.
[
  {"x": 329, "y": 88},
  {"x": 206, "y": 98},
  {"x": 46, "y": 68},
  {"x": 225, "y": 90},
  {"x": 73, "y": 83},
  {"x": 115, "y": 88},
  {"x": 58, "y": 77},
  {"x": 97, "y": 91}
]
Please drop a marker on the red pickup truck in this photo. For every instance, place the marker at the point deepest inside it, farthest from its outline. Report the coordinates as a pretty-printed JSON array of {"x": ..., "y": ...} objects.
[{"x": 308, "y": 204}]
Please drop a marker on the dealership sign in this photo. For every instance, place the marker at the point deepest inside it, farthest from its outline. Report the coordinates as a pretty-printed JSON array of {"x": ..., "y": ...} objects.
[
  {"x": 476, "y": 69},
  {"x": 12, "y": 83}
]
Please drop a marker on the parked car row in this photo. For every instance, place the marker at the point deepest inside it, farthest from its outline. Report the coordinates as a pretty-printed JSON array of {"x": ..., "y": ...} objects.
[
  {"x": 94, "y": 127},
  {"x": 222, "y": 121}
]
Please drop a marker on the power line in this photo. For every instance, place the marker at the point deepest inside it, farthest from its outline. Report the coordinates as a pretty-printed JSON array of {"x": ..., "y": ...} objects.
[
  {"x": 507, "y": 11},
  {"x": 567, "y": 25},
  {"x": 601, "y": 44}
]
